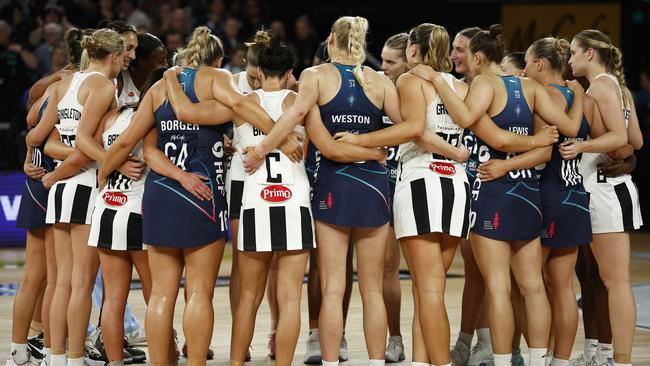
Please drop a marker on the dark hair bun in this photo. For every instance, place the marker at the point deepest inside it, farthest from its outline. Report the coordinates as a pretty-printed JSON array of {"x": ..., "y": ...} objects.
[{"x": 495, "y": 30}]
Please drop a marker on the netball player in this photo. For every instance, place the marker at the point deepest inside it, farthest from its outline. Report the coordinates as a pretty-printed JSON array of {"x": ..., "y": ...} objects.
[
  {"x": 473, "y": 313},
  {"x": 274, "y": 196},
  {"x": 513, "y": 64},
  {"x": 40, "y": 266},
  {"x": 70, "y": 200},
  {"x": 394, "y": 64},
  {"x": 594, "y": 57},
  {"x": 195, "y": 239},
  {"x": 246, "y": 81},
  {"x": 116, "y": 230},
  {"x": 314, "y": 295},
  {"x": 499, "y": 224},
  {"x": 350, "y": 98}
]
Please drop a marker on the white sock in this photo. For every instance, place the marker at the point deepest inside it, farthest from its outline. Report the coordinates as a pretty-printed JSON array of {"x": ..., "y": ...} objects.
[
  {"x": 558, "y": 362},
  {"x": 76, "y": 361},
  {"x": 58, "y": 360},
  {"x": 622, "y": 364},
  {"x": 19, "y": 352},
  {"x": 420, "y": 364},
  {"x": 330, "y": 363},
  {"x": 465, "y": 339},
  {"x": 536, "y": 356},
  {"x": 503, "y": 360},
  {"x": 604, "y": 351},
  {"x": 48, "y": 355},
  {"x": 377, "y": 362},
  {"x": 116, "y": 363},
  {"x": 314, "y": 331},
  {"x": 447, "y": 364},
  {"x": 483, "y": 335},
  {"x": 591, "y": 345}
]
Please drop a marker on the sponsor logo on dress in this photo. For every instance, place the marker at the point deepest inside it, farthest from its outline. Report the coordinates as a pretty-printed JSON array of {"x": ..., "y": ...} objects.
[
  {"x": 131, "y": 94},
  {"x": 551, "y": 230},
  {"x": 443, "y": 168},
  {"x": 276, "y": 193},
  {"x": 115, "y": 198},
  {"x": 495, "y": 221}
]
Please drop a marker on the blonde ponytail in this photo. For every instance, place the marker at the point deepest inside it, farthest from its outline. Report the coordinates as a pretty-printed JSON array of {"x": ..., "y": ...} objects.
[
  {"x": 204, "y": 48},
  {"x": 351, "y": 36}
]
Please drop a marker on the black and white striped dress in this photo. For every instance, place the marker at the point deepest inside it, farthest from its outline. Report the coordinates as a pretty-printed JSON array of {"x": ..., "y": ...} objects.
[
  {"x": 432, "y": 193},
  {"x": 71, "y": 200},
  {"x": 236, "y": 174},
  {"x": 613, "y": 201},
  {"x": 276, "y": 208},
  {"x": 117, "y": 218}
]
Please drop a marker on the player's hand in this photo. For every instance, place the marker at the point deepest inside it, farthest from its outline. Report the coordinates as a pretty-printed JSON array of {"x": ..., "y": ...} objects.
[
  {"x": 492, "y": 170},
  {"x": 132, "y": 168},
  {"x": 462, "y": 154},
  {"x": 616, "y": 168},
  {"x": 195, "y": 184},
  {"x": 252, "y": 160},
  {"x": 34, "y": 171},
  {"x": 350, "y": 138},
  {"x": 425, "y": 72},
  {"x": 292, "y": 147},
  {"x": 571, "y": 149},
  {"x": 548, "y": 135},
  {"x": 49, "y": 180},
  {"x": 228, "y": 147}
]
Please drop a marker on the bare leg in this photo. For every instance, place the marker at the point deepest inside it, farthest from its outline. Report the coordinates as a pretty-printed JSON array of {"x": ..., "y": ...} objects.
[
  {"x": 117, "y": 266},
  {"x": 166, "y": 266},
  {"x": 614, "y": 250},
  {"x": 50, "y": 259},
  {"x": 34, "y": 276},
  {"x": 291, "y": 271},
  {"x": 201, "y": 269},
  {"x": 392, "y": 288},
  {"x": 61, "y": 296},
  {"x": 84, "y": 271}
]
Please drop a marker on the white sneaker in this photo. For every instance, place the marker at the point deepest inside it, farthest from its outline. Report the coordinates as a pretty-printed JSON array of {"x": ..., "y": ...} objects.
[
  {"x": 581, "y": 361},
  {"x": 548, "y": 358},
  {"x": 459, "y": 354},
  {"x": 481, "y": 355},
  {"x": 394, "y": 350},
  {"x": 313, "y": 354},
  {"x": 137, "y": 338},
  {"x": 30, "y": 362},
  {"x": 601, "y": 361},
  {"x": 343, "y": 350}
]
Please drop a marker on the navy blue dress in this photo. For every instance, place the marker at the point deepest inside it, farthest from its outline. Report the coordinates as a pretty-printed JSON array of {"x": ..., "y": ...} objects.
[
  {"x": 33, "y": 204},
  {"x": 171, "y": 216},
  {"x": 510, "y": 207},
  {"x": 565, "y": 203},
  {"x": 351, "y": 194}
]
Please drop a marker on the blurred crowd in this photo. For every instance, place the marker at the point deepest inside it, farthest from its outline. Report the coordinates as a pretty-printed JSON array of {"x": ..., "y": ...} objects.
[{"x": 32, "y": 31}]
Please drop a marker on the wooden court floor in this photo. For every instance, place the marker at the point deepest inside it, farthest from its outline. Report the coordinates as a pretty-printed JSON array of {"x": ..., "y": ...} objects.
[{"x": 640, "y": 273}]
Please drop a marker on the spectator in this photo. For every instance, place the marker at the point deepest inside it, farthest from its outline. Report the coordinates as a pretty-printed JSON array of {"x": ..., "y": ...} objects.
[
  {"x": 173, "y": 41},
  {"x": 216, "y": 17},
  {"x": 14, "y": 80},
  {"x": 277, "y": 29},
  {"x": 181, "y": 22},
  {"x": 306, "y": 44},
  {"x": 107, "y": 9},
  {"x": 134, "y": 16},
  {"x": 231, "y": 38},
  {"x": 53, "y": 34},
  {"x": 642, "y": 101},
  {"x": 253, "y": 19},
  {"x": 163, "y": 22},
  {"x": 51, "y": 14},
  {"x": 236, "y": 63},
  {"x": 59, "y": 59}
]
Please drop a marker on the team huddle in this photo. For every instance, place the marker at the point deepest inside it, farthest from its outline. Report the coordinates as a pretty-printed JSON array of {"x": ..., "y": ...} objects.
[{"x": 130, "y": 163}]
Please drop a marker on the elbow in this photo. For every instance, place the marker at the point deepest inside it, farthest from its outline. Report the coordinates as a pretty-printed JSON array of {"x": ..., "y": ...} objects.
[
  {"x": 32, "y": 140},
  {"x": 637, "y": 144},
  {"x": 500, "y": 144},
  {"x": 621, "y": 139}
]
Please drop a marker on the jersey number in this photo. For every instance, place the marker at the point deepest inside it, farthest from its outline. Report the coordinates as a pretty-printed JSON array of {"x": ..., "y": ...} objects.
[{"x": 270, "y": 178}]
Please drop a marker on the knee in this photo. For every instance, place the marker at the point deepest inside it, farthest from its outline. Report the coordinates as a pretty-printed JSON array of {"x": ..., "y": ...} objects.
[
  {"x": 391, "y": 266},
  {"x": 334, "y": 292},
  {"x": 498, "y": 289},
  {"x": 616, "y": 282},
  {"x": 531, "y": 287}
]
